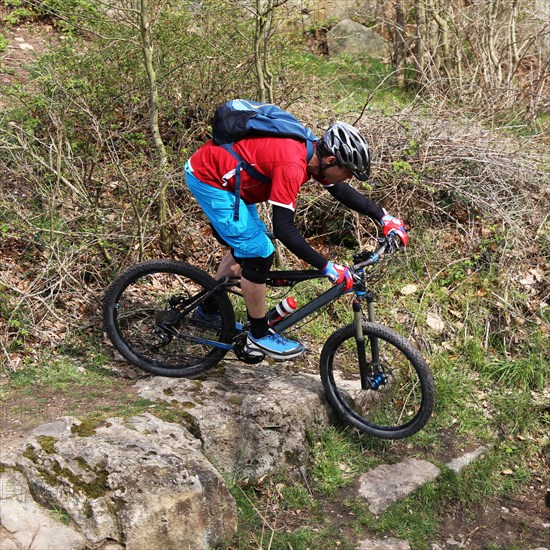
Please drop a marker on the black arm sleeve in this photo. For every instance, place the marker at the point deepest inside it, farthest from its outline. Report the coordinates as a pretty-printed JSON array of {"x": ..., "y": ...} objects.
[
  {"x": 285, "y": 230},
  {"x": 351, "y": 198}
]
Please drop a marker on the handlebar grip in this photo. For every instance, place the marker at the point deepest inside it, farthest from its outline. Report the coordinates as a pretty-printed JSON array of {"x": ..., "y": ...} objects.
[
  {"x": 374, "y": 257},
  {"x": 391, "y": 243}
]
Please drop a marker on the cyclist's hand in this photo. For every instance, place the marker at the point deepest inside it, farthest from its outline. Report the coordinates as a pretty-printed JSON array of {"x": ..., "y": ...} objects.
[
  {"x": 338, "y": 274},
  {"x": 392, "y": 225}
]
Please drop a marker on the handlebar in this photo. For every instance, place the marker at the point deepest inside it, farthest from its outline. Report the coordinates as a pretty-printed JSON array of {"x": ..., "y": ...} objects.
[{"x": 388, "y": 244}]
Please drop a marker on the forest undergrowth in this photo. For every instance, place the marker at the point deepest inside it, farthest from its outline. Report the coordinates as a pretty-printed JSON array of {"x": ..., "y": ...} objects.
[{"x": 80, "y": 189}]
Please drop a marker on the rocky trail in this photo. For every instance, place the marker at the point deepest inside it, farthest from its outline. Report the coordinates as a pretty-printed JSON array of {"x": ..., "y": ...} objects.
[{"x": 120, "y": 484}]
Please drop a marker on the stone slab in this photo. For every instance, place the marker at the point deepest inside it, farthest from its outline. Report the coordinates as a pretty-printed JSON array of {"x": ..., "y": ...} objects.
[
  {"x": 389, "y": 483},
  {"x": 459, "y": 463},
  {"x": 385, "y": 544}
]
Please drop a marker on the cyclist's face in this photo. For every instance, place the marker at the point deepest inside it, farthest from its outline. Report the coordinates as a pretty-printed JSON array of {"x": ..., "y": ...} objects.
[{"x": 335, "y": 172}]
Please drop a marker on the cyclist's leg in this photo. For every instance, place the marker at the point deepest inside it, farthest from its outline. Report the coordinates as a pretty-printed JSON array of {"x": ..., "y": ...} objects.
[
  {"x": 246, "y": 236},
  {"x": 250, "y": 247},
  {"x": 260, "y": 340},
  {"x": 229, "y": 267},
  {"x": 253, "y": 250}
]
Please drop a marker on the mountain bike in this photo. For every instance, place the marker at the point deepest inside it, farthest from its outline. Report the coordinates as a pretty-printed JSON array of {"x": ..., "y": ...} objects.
[{"x": 373, "y": 377}]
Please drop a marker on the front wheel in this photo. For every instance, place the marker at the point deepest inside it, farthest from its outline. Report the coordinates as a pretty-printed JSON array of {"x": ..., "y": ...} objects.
[
  {"x": 150, "y": 315},
  {"x": 391, "y": 395}
]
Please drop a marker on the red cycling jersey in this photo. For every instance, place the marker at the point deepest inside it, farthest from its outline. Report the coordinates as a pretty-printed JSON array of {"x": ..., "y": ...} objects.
[{"x": 283, "y": 160}]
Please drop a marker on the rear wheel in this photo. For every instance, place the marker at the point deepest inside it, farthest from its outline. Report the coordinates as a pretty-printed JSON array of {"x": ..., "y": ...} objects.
[
  {"x": 150, "y": 317},
  {"x": 395, "y": 396}
]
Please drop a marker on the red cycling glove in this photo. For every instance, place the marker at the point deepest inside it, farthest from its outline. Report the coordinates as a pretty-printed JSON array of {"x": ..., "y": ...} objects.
[
  {"x": 391, "y": 224},
  {"x": 338, "y": 274}
]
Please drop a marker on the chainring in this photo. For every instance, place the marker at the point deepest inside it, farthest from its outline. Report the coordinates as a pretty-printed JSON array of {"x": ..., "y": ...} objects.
[{"x": 241, "y": 353}]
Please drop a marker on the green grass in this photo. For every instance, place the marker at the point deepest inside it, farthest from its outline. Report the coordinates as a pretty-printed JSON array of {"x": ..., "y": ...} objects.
[
  {"x": 280, "y": 514},
  {"x": 61, "y": 515},
  {"x": 530, "y": 372},
  {"x": 57, "y": 373},
  {"x": 335, "y": 461},
  {"x": 347, "y": 81},
  {"x": 456, "y": 385}
]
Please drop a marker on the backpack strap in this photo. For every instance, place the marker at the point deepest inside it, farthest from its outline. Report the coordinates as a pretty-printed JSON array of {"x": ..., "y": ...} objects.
[
  {"x": 249, "y": 169},
  {"x": 252, "y": 172},
  {"x": 310, "y": 149}
]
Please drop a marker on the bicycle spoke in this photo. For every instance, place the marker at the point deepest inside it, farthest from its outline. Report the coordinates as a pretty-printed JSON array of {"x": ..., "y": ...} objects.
[
  {"x": 390, "y": 392},
  {"x": 150, "y": 318},
  {"x": 140, "y": 311},
  {"x": 379, "y": 391}
]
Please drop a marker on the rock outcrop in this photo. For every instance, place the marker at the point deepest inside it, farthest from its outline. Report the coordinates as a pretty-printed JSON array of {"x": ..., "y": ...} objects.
[
  {"x": 349, "y": 37},
  {"x": 251, "y": 421},
  {"x": 140, "y": 482}
]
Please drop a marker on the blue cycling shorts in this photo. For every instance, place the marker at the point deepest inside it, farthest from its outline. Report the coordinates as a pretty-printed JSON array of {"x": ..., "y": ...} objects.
[{"x": 247, "y": 235}]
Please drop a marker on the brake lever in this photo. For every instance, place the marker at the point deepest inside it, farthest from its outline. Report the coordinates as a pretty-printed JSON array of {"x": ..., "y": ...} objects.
[{"x": 395, "y": 242}]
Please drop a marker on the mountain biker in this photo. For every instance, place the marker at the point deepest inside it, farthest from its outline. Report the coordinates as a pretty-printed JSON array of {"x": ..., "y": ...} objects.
[{"x": 210, "y": 175}]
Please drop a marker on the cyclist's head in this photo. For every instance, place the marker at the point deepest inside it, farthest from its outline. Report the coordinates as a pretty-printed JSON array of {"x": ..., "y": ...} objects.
[{"x": 349, "y": 147}]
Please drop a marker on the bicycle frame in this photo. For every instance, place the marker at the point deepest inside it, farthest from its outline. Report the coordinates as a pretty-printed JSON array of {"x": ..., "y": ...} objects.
[
  {"x": 324, "y": 299},
  {"x": 329, "y": 296}
]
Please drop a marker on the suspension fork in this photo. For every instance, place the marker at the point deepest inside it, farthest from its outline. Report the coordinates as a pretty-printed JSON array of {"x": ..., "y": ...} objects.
[
  {"x": 365, "y": 367},
  {"x": 370, "y": 298}
]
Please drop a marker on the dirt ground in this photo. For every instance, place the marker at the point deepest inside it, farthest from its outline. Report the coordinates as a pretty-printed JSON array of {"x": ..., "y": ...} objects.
[
  {"x": 521, "y": 521},
  {"x": 24, "y": 43}
]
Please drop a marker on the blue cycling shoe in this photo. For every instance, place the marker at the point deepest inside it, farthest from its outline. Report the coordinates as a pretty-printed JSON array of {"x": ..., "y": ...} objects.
[
  {"x": 273, "y": 345},
  {"x": 207, "y": 320}
]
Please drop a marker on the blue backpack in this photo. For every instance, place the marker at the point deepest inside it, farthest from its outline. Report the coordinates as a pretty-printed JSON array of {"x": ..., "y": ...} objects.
[{"x": 239, "y": 118}]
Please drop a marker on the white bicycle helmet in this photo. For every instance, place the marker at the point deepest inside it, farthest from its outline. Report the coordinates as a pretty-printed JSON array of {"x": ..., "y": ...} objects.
[{"x": 350, "y": 148}]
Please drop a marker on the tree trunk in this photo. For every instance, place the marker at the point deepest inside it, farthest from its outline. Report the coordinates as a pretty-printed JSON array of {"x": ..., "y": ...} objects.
[
  {"x": 420, "y": 42},
  {"x": 492, "y": 52},
  {"x": 443, "y": 26},
  {"x": 259, "y": 41},
  {"x": 399, "y": 45},
  {"x": 147, "y": 51}
]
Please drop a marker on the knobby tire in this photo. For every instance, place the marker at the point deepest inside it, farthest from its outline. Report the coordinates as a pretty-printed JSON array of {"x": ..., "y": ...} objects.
[
  {"x": 403, "y": 402},
  {"x": 142, "y": 325}
]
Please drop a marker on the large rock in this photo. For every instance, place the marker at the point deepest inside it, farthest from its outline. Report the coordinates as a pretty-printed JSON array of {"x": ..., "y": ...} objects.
[
  {"x": 140, "y": 482},
  {"x": 349, "y": 37},
  {"x": 251, "y": 420},
  {"x": 26, "y": 524}
]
